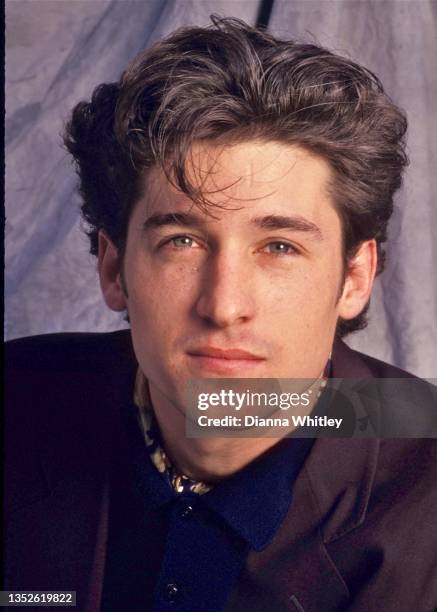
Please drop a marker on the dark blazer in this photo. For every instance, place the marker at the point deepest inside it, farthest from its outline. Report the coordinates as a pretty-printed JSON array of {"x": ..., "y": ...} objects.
[{"x": 361, "y": 533}]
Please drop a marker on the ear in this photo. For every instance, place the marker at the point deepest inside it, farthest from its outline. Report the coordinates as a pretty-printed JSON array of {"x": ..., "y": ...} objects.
[
  {"x": 110, "y": 273},
  {"x": 358, "y": 284}
]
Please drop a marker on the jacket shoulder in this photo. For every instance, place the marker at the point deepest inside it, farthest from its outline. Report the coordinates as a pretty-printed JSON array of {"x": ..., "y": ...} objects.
[
  {"x": 63, "y": 395},
  {"x": 348, "y": 363},
  {"x": 381, "y": 369},
  {"x": 70, "y": 374},
  {"x": 65, "y": 350}
]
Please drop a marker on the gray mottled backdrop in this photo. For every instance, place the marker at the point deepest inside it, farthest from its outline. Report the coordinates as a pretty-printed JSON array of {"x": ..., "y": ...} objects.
[{"x": 58, "y": 50}]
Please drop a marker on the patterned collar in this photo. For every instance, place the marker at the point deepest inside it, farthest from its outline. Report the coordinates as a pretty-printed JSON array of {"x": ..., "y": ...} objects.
[{"x": 179, "y": 482}]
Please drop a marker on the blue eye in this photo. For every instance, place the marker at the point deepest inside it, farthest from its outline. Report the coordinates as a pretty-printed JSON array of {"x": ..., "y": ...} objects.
[
  {"x": 183, "y": 241},
  {"x": 280, "y": 248}
]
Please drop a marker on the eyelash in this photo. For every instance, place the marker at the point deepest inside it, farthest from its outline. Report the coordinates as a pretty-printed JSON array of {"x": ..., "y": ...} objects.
[
  {"x": 179, "y": 238},
  {"x": 292, "y": 250}
]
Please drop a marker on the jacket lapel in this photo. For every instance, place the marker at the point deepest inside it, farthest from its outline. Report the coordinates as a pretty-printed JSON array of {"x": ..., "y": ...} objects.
[{"x": 330, "y": 497}]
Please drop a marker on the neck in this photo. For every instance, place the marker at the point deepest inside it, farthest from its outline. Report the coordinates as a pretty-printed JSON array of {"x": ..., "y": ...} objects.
[{"x": 208, "y": 459}]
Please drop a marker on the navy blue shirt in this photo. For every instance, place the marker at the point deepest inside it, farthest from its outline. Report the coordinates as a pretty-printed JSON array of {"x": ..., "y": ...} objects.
[{"x": 184, "y": 552}]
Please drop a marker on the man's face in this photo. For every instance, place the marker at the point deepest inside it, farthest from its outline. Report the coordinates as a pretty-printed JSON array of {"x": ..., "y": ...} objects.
[{"x": 252, "y": 293}]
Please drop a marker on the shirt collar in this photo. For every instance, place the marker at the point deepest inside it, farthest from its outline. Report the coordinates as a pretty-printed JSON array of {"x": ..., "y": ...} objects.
[{"x": 253, "y": 502}]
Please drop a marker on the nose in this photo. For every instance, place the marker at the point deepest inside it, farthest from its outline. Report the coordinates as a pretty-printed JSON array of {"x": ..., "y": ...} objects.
[{"x": 226, "y": 296}]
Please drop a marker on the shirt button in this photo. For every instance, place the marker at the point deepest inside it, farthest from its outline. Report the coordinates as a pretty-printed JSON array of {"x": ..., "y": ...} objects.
[
  {"x": 171, "y": 592},
  {"x": 187, "y": 511}
]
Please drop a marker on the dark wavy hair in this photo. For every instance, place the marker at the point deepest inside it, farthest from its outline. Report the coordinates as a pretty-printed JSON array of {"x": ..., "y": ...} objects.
[{"x": 230, "y": 82}]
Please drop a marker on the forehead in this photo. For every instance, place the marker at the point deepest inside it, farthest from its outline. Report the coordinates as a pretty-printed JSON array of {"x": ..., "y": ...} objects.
[{"x": 245, "y": 179}]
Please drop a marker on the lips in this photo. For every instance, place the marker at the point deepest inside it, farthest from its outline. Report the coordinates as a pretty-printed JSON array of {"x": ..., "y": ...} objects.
[
  {"x": 224, "y": 362},
  {"x": 229, "y": 354}
]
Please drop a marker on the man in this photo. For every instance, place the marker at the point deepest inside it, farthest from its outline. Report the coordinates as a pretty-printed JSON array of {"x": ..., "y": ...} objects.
[{"x": 237, "y": 190}]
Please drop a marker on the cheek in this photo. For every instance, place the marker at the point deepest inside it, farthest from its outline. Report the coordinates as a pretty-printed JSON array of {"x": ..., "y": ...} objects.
[
  {"x": 162, "y": 293},
  {"x": 159, "y": 304},
  {"x": 303, "y": 294}
]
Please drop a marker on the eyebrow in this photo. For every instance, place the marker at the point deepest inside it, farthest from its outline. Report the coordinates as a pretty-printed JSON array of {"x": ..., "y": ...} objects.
[
  {"x": 180, "y": 219},
  {"x": 285, "y": 222},
  {"x": 269, "y": 222}
]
